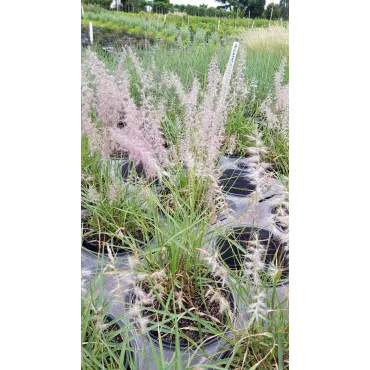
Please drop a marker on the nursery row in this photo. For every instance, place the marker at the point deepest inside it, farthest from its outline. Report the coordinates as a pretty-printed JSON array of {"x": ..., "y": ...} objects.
[
  {"x": 172, "y": 30},
  {"x": 144, "y": 20},
  {"x": 185, "y": 213},
  {"x": 167, "y": 34}
]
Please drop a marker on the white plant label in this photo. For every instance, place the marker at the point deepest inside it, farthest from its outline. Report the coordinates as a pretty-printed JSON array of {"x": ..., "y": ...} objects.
[
  {"x": 218, "y": 27},
  {"x": 165, "y": 17},
  {"x": 230, "y": 64},
  {"x": 91, "y": 33},
  {"x": 234, "y": 51}
]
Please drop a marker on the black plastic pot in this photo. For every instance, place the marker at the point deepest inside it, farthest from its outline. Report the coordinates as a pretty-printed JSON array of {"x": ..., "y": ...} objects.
[
  {"x": 127, "y": 168},
  {"x": 234, "y": 257},
  {"x": 93, "y": 245},
  {"x": 236, "y": 182}
]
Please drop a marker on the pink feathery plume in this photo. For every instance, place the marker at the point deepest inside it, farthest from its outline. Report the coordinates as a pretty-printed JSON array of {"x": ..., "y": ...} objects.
[{"x": 138, "y": 148}]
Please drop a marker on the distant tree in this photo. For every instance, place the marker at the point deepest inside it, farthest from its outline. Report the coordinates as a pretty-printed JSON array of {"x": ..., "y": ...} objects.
[
  {"x": 133, "y": 6},
  {"x": 253, "y": 7},
  {"x": 191, "y": 9},
  {"x": 284, "y": 9},
  {"x": 275, "y": 11},
  {"x": 103, "y": 3},
  {"x": 161, "y": 6},
  {"x": 202, "y": 10}
]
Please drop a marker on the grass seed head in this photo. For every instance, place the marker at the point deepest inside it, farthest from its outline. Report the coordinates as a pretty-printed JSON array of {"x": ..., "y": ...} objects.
[
  {"x": 93, "y": 195},
  {"x": 257, "y": 309}
]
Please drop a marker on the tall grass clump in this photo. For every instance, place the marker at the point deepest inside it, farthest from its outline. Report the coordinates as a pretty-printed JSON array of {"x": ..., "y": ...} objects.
[
  {"x": 120, "y": 123},
  {"x": 275, "y": 109},
  {"x": 200, "y": 36},
  {"x": 265, "y": 48},
  {"x": 117, "y": 218},
  {"x": 266, "y": 38},
  {"x": 177, "y": 294},
  {"x": 202, "y": 123}
]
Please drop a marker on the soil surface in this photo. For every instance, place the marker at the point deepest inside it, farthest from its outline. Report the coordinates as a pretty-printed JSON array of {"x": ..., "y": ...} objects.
[
  {"x": 113, "y": 327},
  {"x": 203, "y": 308}
]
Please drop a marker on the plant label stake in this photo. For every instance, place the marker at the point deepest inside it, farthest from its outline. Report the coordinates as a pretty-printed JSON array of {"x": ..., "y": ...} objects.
[
  {"x": 218, "y": 27},
  {"x": 91, "y": 33},
  {"x": 165, "y": 18},
  {"x": 230, "y": 64},
  {"x": 234, "y": 51}
]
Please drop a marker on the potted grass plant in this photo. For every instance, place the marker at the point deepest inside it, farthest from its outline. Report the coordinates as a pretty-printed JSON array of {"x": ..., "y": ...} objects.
[
  {"x": 275, "y": 124},
  {"x": 237, "y": 249},
  {"x": 272, "y": 122},
  {"x": 262, "y": 336},
  {"x": 200, "y": 129},
  {"x": 259, "y": 261},
  {"x": 115, "y": 224},
  {"x": 117, "y": 220},
  {"x": 181, "y": 300}
]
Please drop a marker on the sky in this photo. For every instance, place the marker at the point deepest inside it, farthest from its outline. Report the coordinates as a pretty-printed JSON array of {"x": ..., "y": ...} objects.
[{"x": 210, "y": 3}]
